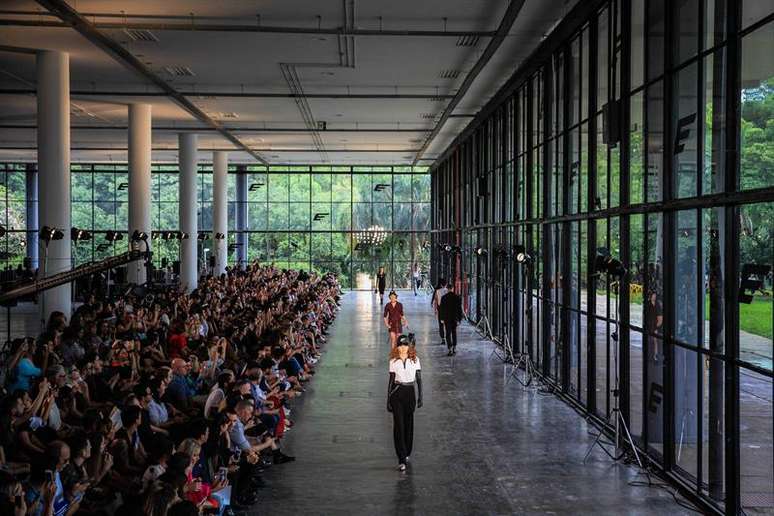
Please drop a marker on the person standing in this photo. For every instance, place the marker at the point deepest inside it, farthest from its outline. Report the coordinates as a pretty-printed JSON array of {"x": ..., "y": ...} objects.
[
  {"x": 451, "y": 314},
  {"x": 405, "y": 371},
  {"x": 381, "y": 284},
  {"x": 440, "y": 291},
  {"x": 416, "y": 278},
  {"x": 394, "y": 318}
]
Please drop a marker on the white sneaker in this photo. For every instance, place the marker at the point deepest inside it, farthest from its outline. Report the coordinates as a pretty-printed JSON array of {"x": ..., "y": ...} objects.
[
  {"x": 401, "y": 467},
  {"x": 287, "y": 412}
]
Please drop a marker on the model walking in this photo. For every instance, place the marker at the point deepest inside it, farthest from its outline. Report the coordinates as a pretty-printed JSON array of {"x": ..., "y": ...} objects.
[
  {"x": 381, "y": 284},
  {"x": 416, "y": 278},
  {"x": 438, "y": 293},
  {"x": 405, "y": 371},
  {"x": 394, "y": 318},
  {"x": 451, "y": 313}
]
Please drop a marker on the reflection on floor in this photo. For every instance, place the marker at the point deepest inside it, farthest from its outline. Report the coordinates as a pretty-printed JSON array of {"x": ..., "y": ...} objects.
[{"x": 481, "y": 446}]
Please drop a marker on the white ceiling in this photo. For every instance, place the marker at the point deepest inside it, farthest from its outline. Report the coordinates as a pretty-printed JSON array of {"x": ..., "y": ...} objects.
[{"x": 234, "y": 62}]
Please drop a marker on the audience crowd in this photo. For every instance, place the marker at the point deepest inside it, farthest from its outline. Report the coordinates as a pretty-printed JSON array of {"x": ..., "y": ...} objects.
[{"x": 161, "y": 404}]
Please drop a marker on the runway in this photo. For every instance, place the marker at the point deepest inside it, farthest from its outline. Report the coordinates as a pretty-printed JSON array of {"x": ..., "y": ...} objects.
[{"x": 481, "y": 446}]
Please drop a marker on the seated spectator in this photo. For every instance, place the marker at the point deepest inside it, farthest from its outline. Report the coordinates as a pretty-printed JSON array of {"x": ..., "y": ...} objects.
[{"x": 97, "y": 407}]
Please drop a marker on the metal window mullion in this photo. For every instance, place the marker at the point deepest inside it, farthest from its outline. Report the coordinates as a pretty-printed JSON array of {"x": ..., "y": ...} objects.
[{"x": 625, "y": 222}]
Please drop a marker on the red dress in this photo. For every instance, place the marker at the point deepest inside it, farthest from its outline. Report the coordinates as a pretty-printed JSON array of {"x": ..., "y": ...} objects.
[{"x": 394, "y": 315}]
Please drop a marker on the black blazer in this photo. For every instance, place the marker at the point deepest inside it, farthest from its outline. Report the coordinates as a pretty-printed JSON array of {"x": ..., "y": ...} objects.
[{"x": 450, "y": 310}]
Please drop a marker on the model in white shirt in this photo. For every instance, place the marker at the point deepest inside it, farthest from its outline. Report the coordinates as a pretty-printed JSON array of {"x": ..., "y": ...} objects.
[{"x": 405, "y": 371}]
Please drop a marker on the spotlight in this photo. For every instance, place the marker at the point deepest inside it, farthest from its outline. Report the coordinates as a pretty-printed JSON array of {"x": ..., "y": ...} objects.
[
  {"x": 155, "y": 235},
  {"x": 182, "y": 235},
  {"x": 47, "y": 234},
  {"x": 78, "y": 235},
  {"x": 113, "y": 236},
  {"x": 219, "y": 236},
  {"x": 203, "y": 236},
  {"x": 480, "y": 251},
  {"x": 521, "y": 255},
  {"x": 604, "y": 263},
  {"x": 139, "y": 235}
]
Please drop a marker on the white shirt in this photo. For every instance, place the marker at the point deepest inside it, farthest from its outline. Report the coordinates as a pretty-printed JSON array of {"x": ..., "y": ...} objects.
[{"x": 405, "y": 372}]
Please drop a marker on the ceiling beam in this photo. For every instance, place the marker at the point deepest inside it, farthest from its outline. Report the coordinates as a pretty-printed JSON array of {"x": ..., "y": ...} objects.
[
  {"x": 514, "y": 8},
  {"x": 193, "y": 25},
  {"x": 73, "y": 19},
  {"x": 252, "y": 130},
  {"x": 236, "y": 94},
  {"x": 209, "y": 149}
]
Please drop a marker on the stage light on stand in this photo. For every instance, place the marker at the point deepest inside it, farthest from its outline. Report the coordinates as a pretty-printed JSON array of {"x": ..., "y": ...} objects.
[
  {"x": 79, "y": 235},
  {"x": 113, "y": 236},
  {"x": 604, "y": 263},
  {"x": 521, "y": 255},
  {"x": 48, "y": 233}
]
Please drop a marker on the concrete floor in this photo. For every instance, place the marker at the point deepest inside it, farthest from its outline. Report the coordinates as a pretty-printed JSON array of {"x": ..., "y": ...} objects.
[{"x": 481, "y": 446}]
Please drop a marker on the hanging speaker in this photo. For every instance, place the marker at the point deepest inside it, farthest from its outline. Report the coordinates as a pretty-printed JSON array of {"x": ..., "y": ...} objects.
[
  {"x": 482, "y": 186},
  {"x": 611, "y": 123}
]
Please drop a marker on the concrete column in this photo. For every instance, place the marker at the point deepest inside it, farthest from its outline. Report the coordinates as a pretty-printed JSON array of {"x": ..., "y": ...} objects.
[
  {"x": 189, "y": 274},
  {"x": 220, "y": 210},
  {"x": 31, "y": 191},
  {"x": 241, "y": 216},
  {"x": 139, "y": 183},
  {"x": 53, "y": 79}
]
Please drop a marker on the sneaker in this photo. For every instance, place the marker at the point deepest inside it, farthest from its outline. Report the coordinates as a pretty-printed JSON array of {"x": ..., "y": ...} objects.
[
  {"x": 401, "y": 467},
  {"x": 287, "y": 412},
  {"x": 449, "y": 353},
  {"x": 454, "y": 351}
]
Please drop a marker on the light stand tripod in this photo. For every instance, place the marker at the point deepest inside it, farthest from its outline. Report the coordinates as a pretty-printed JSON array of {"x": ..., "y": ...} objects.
[
  {"x": 524, "y": 359},
  {"x": 504, "y": 351},
  {"x": 616, "y": 419},
  {"x": 483, "y": 327}
]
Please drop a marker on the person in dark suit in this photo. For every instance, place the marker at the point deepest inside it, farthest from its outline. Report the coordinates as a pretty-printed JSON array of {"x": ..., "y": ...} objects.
[{"x": 450, "y": 313}]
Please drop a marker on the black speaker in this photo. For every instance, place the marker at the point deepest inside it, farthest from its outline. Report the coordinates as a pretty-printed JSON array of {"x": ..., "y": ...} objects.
[
  {"x": 611, "y": 123},
  {"x": 211, "y": 261},
  {"x": 483, "y": 186},
  {"x": 176, "y": 267}
]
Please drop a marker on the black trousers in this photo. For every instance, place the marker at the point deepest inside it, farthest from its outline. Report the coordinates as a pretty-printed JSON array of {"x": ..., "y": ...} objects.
[
  {"x": 403, "y": 402},
  {"x": 441, "y": 329},
  {"x": 451, "y": 334}
]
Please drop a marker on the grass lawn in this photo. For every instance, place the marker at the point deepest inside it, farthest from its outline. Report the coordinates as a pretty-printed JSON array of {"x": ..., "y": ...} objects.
[{"x": 755, "y": 318}]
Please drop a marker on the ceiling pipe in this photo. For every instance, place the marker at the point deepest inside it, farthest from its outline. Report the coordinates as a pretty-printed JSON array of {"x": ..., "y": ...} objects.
[
  {"x": 235, "y": 94},
  {"x": 73, "y": 19},
  {"x": 514, "y": 8},
  {"x": 225, "y": 27},
  {"x": 253, "y": 130}
]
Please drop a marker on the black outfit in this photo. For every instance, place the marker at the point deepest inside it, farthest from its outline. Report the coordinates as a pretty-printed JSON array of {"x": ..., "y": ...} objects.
[
  {"x": 450, "y": 313},
  {"x": 381, "y": 282},
  {"x": 402, "y": 402}
]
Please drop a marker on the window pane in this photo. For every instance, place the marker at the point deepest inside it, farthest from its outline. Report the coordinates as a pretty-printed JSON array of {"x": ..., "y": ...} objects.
[{"x": 756, "y": 170}]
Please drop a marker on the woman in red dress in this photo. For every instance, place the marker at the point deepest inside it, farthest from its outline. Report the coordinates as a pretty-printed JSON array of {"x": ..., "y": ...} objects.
[{"x": 394, "y": 318}]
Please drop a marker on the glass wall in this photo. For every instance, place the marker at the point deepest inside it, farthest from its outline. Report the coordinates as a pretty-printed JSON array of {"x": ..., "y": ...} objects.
[
  {"x": 297, "y": 217},
  {"x": 641, "y": 130}
]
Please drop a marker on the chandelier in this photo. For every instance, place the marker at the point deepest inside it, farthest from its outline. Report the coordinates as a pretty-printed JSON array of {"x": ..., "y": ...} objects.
[{"x": 373, "y": 236}]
